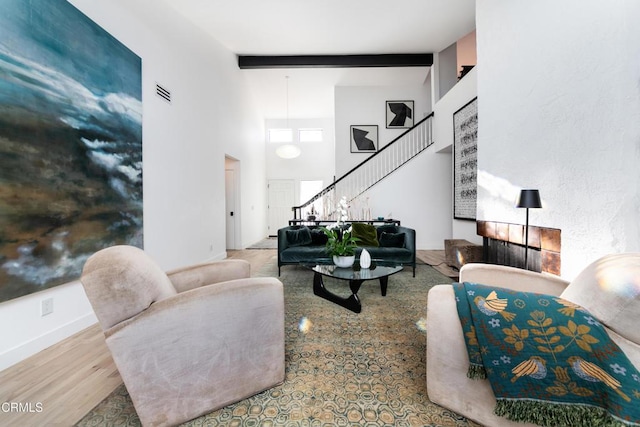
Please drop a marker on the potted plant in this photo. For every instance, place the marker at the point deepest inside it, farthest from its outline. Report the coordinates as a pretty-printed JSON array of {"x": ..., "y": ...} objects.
[{"x": 341, "y": 245}]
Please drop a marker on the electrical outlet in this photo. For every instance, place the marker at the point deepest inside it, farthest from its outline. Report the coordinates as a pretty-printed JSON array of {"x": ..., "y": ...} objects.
[{"x": 46, "y": 307}]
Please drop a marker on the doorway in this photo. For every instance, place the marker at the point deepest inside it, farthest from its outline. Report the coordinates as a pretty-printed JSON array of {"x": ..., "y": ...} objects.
[
  {"x": 281, "y": 193},
  {"x": 231, "y": 198}
]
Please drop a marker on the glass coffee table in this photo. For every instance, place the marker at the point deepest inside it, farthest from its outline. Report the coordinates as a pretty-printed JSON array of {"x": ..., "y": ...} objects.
[{"x": 355, "y": 275}]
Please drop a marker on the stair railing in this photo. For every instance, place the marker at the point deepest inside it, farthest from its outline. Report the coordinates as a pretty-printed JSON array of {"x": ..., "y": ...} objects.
[{"x": 372, "y": 170}]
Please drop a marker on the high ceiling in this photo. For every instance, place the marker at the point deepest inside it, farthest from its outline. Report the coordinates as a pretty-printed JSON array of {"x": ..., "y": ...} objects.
[{"x": 328, "y": 27}]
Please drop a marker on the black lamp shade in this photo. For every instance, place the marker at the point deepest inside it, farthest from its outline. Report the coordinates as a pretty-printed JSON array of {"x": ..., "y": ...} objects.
[{"x": 529, "y": 199}]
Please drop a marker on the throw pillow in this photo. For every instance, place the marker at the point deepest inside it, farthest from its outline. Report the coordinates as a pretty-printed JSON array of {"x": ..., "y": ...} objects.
[
  {"x": 366, "y": 233},
  {"x": 318, "y": 237},
  {"x": 392, "y": 240},
  {"x": 299, "y": 237},
  {"x": 386, "y": 228}
]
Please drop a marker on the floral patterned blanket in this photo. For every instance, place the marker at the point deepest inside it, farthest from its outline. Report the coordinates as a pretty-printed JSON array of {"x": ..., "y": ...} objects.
[{"x": 548, "y": 360}]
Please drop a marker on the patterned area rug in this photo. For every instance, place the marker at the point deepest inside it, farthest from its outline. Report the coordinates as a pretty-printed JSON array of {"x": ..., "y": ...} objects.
[{"x": 342, "y": 368}]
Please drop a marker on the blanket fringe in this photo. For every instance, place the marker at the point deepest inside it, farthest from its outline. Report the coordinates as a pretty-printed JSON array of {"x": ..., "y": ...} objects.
[
  {"x": 555, "y": 415},
  {"x": 476, "y": 372}
]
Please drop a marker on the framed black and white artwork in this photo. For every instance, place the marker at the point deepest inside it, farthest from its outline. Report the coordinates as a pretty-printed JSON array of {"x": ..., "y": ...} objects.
[
  {"x": 364, "y": 138},
  {"x": 465, "y": 161},
  {"x": 399, "y": 114}
]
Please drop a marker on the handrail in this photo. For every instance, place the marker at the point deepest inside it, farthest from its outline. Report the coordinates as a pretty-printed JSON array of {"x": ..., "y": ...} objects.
[{"x": 330, "y": 187}]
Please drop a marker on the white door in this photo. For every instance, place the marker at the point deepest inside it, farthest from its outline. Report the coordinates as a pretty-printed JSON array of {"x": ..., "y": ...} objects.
[
  {"x": 281, "y": 200},
  {"x": 230, "y": 206}
]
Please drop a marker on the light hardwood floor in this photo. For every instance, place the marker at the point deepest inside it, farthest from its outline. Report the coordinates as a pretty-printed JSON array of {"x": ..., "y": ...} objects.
[
  {"x": 70, "y": 378},
  {"x": 62, "y": 383}
]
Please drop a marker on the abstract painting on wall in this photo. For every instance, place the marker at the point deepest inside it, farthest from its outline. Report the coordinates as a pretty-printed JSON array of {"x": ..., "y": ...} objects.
[
  {"x": 70, "y": 144},
  {"x": 364, "y": 139},
  {"x": 399, "y": 114}
]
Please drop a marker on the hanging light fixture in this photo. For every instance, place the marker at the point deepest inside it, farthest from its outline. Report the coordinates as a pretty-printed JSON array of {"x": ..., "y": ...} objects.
[{"x": 288, "y": 151}]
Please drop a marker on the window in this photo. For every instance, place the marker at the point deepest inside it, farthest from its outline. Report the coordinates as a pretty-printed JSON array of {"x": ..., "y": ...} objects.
[
  {"x": 310, "y": 135},
  {"x": 280, "y": 135}
]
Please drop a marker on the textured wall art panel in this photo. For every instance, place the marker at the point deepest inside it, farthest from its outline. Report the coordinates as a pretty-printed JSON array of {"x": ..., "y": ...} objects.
[
  {"x": 70, "y": 144},
  {"x": 465, "y": 163}
]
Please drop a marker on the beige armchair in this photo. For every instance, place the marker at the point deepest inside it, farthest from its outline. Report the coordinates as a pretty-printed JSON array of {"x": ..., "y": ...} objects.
[
  {"x": 609, "y": 288},
  {"x": 189, "y": 341}
]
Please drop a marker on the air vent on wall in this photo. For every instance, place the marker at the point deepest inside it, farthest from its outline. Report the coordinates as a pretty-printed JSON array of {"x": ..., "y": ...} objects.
[{"x": 163, "y": 93}]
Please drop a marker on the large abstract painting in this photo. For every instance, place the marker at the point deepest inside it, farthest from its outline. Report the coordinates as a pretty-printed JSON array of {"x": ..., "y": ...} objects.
[
  {"x": 465, "y": 164},
  {"x": 70, "y": 144}
]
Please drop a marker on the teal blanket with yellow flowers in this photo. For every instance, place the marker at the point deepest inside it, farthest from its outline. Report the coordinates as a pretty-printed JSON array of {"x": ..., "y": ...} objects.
[{"x": 548, "y": 360}]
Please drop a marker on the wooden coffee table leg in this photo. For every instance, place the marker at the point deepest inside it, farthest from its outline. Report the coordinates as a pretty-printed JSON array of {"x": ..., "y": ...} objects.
[{"x": 351, "y": 303}]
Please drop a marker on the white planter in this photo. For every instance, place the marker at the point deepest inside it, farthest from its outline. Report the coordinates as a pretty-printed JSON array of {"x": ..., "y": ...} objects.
[
  {"x": 365, "y": 259},
  {"x": 344, "y": 261}
]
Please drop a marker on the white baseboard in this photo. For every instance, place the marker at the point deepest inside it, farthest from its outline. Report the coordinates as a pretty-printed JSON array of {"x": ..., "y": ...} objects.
[{"x": 31, "y": 347}]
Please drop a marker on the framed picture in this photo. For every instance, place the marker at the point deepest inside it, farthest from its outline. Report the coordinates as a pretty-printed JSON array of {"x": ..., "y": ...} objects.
[
  {"x": 70, "y": 144},
  {"x": 364, "y": 138},
  {"x": 465, "y": 161},
  {"x": 399, "y": 114}
]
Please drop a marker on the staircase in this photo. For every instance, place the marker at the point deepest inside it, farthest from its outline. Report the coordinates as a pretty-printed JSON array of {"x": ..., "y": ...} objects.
[{"x": 371, "y": 171}]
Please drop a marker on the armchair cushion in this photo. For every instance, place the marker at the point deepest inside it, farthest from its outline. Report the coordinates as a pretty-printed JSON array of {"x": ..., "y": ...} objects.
[
  {"x": 122, "y": 282},
  {"x": 610, "y": 289}
]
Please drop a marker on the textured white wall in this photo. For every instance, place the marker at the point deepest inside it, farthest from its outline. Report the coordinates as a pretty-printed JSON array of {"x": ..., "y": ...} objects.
[
  {"x": 559, "y": 102},
  {"x": 184, "y": 145}
]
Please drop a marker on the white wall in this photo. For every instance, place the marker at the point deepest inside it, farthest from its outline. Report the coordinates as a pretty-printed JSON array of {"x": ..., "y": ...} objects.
[
  {"x": 414, "y": 194},
  {"x": 459, "y": 95},
  {"x": 365, "y": 105},
  {"x": 447, "y": 69},
  {"x": 559, "y": 101},
  {"x": 316, "y": 162},
  {"x": 184, "y": 145}
]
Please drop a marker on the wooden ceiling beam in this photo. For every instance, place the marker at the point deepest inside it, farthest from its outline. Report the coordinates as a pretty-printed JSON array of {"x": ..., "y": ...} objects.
[{"x": 248, "y": 62}]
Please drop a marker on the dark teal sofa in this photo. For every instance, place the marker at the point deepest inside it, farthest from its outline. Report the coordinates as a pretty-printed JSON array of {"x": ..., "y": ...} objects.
[{"x": 298, "y": 244}]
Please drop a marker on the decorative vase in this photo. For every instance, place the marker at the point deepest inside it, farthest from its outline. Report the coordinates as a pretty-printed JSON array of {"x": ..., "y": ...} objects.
[
  {"x": 365, "y": 259},
  {"x": 344, "y": 261}
]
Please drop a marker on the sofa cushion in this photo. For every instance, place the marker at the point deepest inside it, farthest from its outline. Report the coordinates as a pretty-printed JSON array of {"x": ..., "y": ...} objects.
[
  {"x": 397, "y": 255},
  {"x": 318, "y": 237},
  {"x": 392, "y": 240},
  {"x": 303, "y": 254},
  {"x": 387, "y": 228},
  {"x": 299, "y": 237},
  {"x": 609, "y": 288},
  {"x": 366, "y": 233}
]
